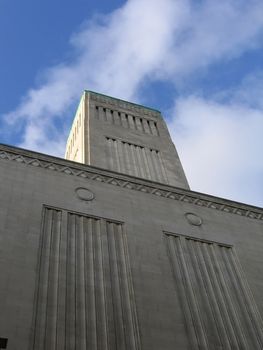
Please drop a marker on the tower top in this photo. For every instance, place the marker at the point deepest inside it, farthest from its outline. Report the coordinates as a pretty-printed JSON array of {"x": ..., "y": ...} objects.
[
  {"x": 122, "y": 103},
  {"x": 124, "y": 137}
]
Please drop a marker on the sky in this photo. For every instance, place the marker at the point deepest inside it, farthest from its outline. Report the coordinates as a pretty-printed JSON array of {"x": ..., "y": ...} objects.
[{"x": 200, "y": 62}]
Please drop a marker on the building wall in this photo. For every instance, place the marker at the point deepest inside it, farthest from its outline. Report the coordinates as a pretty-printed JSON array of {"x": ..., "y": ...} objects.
[
  {"x": 132, "y": 139},
  {"x": 75, "y": 148},
  {"x": 128, "y": 251}
]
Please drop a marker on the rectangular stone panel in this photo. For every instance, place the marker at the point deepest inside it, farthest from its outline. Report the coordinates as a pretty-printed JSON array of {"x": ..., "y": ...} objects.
[
  {"x": 84, "y": 292},
  {"x": 219, "y": 309},
  {"x": 135, "y": 160},
  {"x": 128, "y": 121}
]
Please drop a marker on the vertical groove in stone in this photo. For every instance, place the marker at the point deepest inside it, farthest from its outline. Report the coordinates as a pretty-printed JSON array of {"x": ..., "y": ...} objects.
[
  {"x": 132, "y": 164},
  {"x": 46, "y": 314},
  {"x": 214, "y": 295},
  {"x": 134, "y": 122},
  {"x": 109, "y": 297},
  {"x": 153, "y": 128},
  {"x": 102, "y": 114},
  {"x": 151, "y": 166},
  {"x": 138, "y": 162},
  {"x": 214, "y": 339},
  {"x": 61, "y": 305},
  {"x": 125, "y": 157},
  {"x": 243, "y": 304},
  {"x": 124, "y": 122},
  {"x": 124, "y": 310},
  {"x": 156, "y": 165},
  {"x": 156, "y": 128},
  {"x": 84, "y": 296},
  {"x": 130, "y": 313},
  {"x": 52, "y": 298},
  {"x": 96, "y": 112},
  {"x": 141, "y": 162},
  {"x": 231, "y": 319},
  {"x": 181, "y": 284},
  {"x": 149, "y": 162},
  {"x": 198, "y": 322},
  {"x": 80, "y": 286},
  {"x": 162, "y": 169},
  {"x": 100, "y": 302},
  {"x": 223, "y": 297},
  {"x": 128, "y": 159},
  {"x": 70, "y": 285},
  {"x": 42, "y": 288},
  {"x": 138, "y": 124},
  {"x": 146, "y": 165},
  {"x": 146, "y": 126},
  {"x": 218, "y": 315},
  {"x": 116, "y": 118},
  {"x": 90, "y": 285},
  {"x": 135, "y": 160},
  {"x": 111, "y": 159},
  {"x": 250, "y": 303},
  {"x": 116, "y": 153},
  {"x": 131, "y": 122},
  {"x": 109, "y": 116},
  {"x": 121, "y": 156},
  {"x": 115, "y": 285}
]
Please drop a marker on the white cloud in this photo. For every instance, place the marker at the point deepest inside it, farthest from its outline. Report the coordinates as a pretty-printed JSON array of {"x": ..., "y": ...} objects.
[
  {"x": 216, "y": 30},
  {"x": 220, "y": 146}
]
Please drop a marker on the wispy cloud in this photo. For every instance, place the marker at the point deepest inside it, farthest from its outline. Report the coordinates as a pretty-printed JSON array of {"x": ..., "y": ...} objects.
[
  {"x": 220, "y": 145},
  {"x": 143, "y": 41}
]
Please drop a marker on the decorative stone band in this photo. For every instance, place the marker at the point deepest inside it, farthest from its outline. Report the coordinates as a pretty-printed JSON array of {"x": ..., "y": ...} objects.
[
  {"x": 128, "y": 106},
  {"x": 125, "y": 181}
]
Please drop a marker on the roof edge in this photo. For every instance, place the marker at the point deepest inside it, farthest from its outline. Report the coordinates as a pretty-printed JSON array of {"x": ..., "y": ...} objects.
[
  {"x": 32, "y": 158},
  {"x": 121, "y": 100}
]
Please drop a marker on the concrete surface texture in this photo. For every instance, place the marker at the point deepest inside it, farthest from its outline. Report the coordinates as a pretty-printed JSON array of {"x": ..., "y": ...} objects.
[{"x": 103, "y": 256}]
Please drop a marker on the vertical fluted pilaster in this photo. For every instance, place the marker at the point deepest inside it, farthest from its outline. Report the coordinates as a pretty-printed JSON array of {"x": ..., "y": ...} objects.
[
  {"x": 84, "y": 297},
  {"x": 214, "y": 295}
]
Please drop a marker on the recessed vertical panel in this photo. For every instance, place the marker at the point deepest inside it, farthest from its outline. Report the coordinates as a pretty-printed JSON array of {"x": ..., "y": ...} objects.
[
  {"x": 141, "y": 124},
  {"x": 84, "y": 297},
  {"x": 135, "y": 160},
  {"x": 219, "y": 310},
  {"x": 47, "y": 288}
]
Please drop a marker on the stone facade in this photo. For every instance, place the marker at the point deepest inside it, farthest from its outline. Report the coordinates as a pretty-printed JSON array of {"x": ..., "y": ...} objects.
[{"x": 92, "y": 258}]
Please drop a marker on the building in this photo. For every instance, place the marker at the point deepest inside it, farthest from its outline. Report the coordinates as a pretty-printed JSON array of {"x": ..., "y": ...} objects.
[{"x": 118, "y": 253}]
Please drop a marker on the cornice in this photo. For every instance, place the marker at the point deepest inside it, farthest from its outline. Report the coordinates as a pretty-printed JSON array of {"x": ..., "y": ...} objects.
[
  {"x": 136, "y": 108},
  {"x": 50, "y": 163}
]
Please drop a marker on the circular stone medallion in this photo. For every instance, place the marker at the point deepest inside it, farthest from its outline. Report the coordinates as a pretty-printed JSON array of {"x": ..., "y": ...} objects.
[
  {"x": 193, "y": 219},
  {"x": 84, "y": 194}
]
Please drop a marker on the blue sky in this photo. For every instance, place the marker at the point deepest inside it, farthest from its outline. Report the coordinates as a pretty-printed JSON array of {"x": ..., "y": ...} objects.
[{"x": 199, "y": 62}]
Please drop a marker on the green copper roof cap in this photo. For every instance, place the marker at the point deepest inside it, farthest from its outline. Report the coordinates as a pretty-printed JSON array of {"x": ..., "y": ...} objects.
[{"x": 132, "y": 103}]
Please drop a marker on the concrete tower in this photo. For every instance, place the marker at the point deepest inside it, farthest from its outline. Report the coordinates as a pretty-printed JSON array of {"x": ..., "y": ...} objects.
[{"x": 125, "y": 137}]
